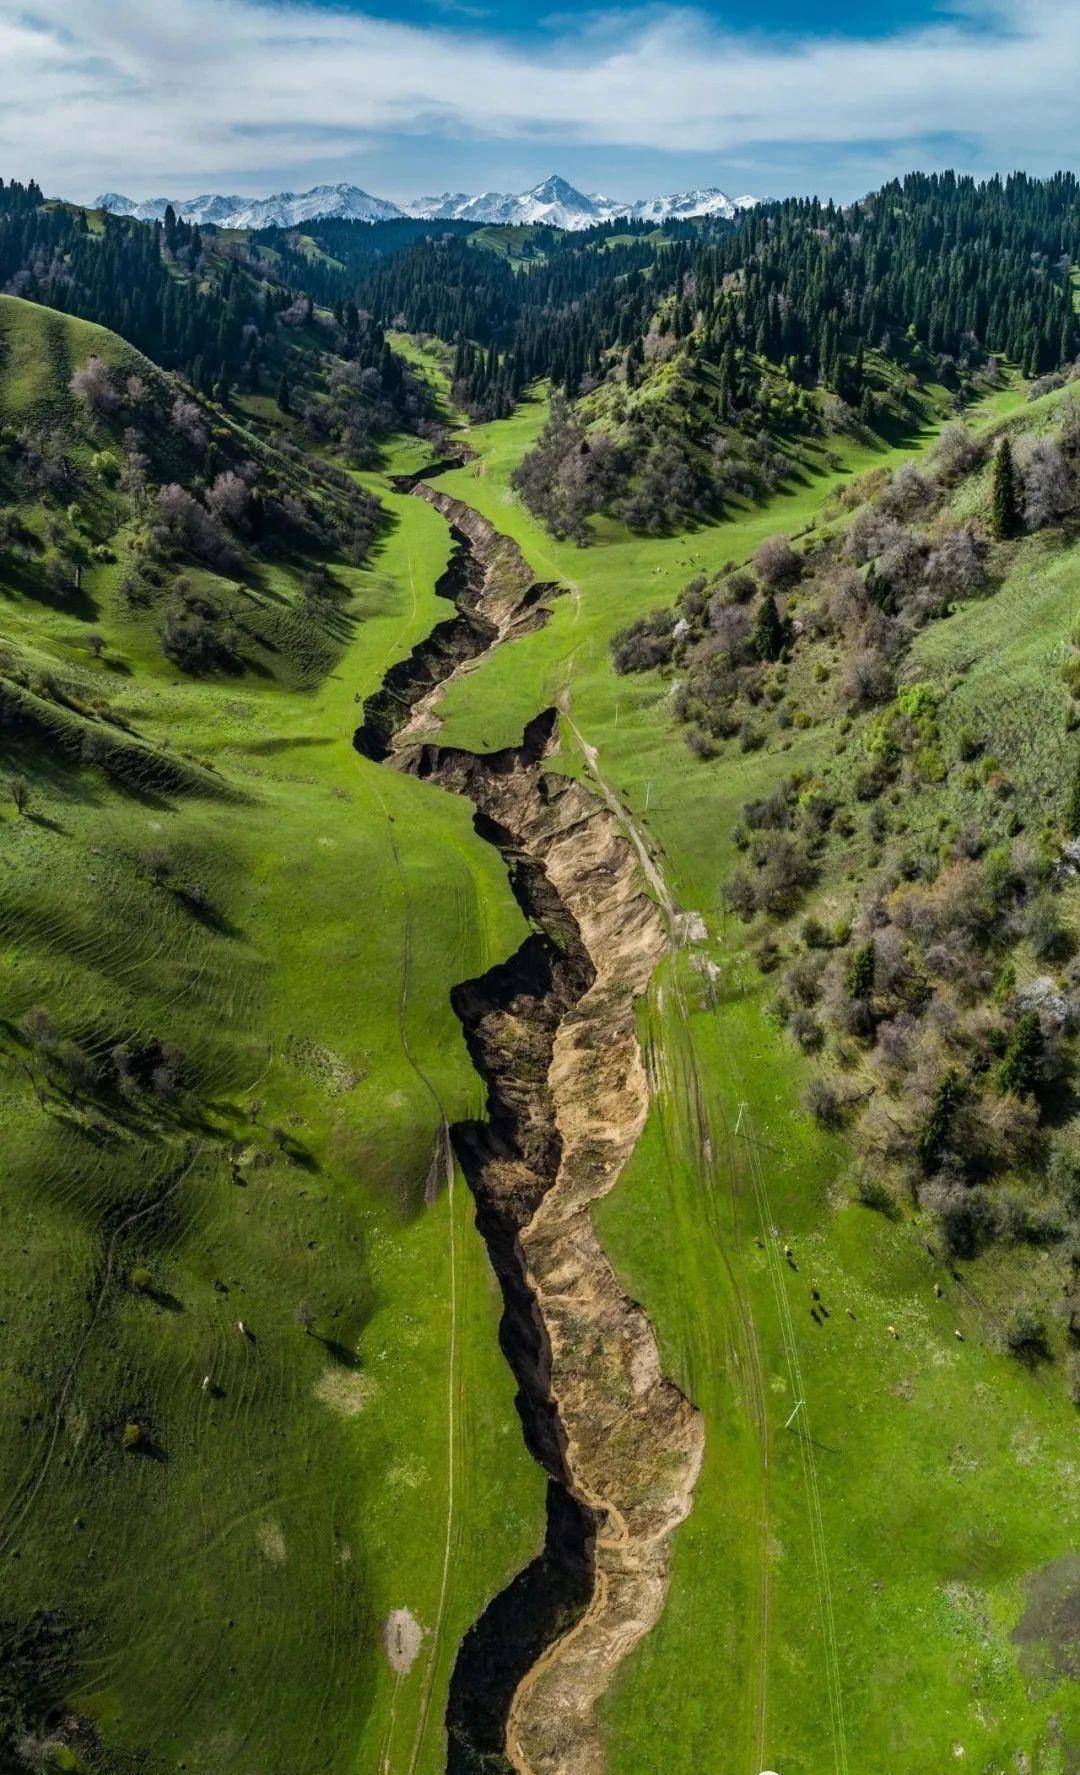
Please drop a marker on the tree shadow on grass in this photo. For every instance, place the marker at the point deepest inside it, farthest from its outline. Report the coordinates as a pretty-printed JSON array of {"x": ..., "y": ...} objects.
[
  {"x": 21, "y": 580},
  {"x": 39, "y": 819},
  {"x": 339, "y": 1352},
  {"x": 210, "y": 917},
  {"x": 168, "y": 1303}
]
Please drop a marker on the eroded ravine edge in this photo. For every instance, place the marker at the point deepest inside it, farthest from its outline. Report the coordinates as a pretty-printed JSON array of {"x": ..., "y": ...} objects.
[{"x": 552, "y": 1032}]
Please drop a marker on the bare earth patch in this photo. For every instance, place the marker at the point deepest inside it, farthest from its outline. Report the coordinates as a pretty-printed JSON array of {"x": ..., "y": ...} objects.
[
  {"x": 344, "y": 1390},
  {"x": 402, "y": 1637},
  {"x": 1047, "y": 1636},
  {"x": 271, "y": 1542}
]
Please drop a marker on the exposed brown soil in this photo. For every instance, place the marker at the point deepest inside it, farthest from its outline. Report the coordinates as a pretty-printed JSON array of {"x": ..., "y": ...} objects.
[
  {"x": 494, "y": 597},
  {"x": 552, "y": 1032}
]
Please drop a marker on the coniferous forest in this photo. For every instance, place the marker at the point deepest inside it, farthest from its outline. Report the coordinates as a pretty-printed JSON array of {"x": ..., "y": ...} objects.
[{"x": 962, "y": 269}]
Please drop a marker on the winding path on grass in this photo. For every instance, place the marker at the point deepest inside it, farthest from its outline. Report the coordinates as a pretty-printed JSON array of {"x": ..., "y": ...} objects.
[{"x": 552, "y": 1033}]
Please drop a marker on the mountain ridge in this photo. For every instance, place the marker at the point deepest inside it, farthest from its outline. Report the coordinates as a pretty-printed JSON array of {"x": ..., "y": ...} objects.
[{"x": 554, "y": 202}]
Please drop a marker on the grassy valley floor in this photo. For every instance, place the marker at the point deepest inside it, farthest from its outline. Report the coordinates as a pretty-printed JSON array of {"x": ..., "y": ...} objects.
[
  {"x": 858, "y": 1585},
  {"x": 868, "y": 1579}
]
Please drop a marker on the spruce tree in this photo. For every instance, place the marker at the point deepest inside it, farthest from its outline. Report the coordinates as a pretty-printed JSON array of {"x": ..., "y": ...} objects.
[
  {"x": 859, "y": 978},
  {"x": 1021, "y": 1068},
  {"x": 768, "y": 637},
  {"x": 1005, "y": 498}
]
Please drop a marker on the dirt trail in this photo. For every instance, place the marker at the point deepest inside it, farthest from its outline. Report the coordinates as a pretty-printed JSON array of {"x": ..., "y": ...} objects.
[{"x": 552, "y": 1032}]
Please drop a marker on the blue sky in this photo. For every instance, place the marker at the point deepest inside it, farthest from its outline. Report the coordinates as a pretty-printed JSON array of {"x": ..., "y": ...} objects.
[
  {"x": 254, "y": 96},
  {"x": 783, "y": 17}
]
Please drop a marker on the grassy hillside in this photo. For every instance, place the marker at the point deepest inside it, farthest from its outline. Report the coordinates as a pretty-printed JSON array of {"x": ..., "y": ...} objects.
[
  {"x": 870, "y": 1583},
  {"x": 270, "y": 933},
  {"x": 227, "y": 1055}
]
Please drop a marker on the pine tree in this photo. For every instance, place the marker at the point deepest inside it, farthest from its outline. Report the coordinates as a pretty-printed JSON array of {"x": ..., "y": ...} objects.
[{"x": 1005, "y": 498}]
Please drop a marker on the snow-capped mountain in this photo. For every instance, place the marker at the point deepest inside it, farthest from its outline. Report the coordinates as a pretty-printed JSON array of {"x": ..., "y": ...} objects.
[
  {"x": 561, "y": 205},
  {"x": 447, "y": 206},
  {"x": 553, "y": 202},
  {"x": 285, "y": 210},
  {"x": 709, "y": 201}
]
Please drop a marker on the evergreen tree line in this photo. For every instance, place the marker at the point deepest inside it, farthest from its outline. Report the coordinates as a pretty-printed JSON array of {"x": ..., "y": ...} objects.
[
  {"x": 213, "y": 315},
  {"x": 353, "y": 250},
  {"x": 958, "y": 268}
]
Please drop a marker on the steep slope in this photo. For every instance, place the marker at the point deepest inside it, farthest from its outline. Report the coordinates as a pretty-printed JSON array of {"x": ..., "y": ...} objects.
[{"x": 227, "y": 1059}]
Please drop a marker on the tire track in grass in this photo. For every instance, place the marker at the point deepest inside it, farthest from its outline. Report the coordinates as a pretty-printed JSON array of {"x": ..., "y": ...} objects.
[
  {"x": 806, "y": 1450},
  {"x": 754, "y": 1367},
  {"x": 453, "y": 1357},
  {"x": 11, "y": 1522},
  {"x": 454, "y": 1382},
  {"x": 746, "y": 1353},
  {"x": 695, "y": 1101}
]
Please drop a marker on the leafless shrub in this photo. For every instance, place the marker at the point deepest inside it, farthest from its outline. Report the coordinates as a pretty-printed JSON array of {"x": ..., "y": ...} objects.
[
  {"x": 957, "y": 452},
  {"x": 867, "y": 680},
  {"x": 803, "y": 979},
  {"x": 730, "y": 626},
  {"x": 188, "y": 420},
  {"x": 908, "y": 495},
  {"x": 956, "y": 566},
  {"x": 229, "y": 498},
  {"x": 824, "y": 1103},
  {"x": 838, "y": 416},
  {"x": 777, "y": 564},
  {"x": 806, "y": 1030},
  {"x": 1069, "y": 430},
  {"x": 645, "y": 644},
  {"x": 183, "y": 521},
  {"x": 870, "y": 534},
  {"x": 965, "y": 1212},
  {"x": 739, "y": 894},
  {"x": 785, "y": 870},
  {"x": 94, "y": 384},
  {"x": 1049, "y": 488}
]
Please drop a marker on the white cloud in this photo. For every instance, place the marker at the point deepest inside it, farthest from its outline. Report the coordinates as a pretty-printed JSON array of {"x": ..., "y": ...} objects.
[{"x": 134, "y": 93}]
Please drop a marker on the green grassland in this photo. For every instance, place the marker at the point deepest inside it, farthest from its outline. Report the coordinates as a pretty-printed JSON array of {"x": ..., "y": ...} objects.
[
  {"x": 846, "y": 1590},
  {"x": 847, "y": 1587},
  {"x": 516, "y": 242},
  {"x": 215, "y": 1598}
]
